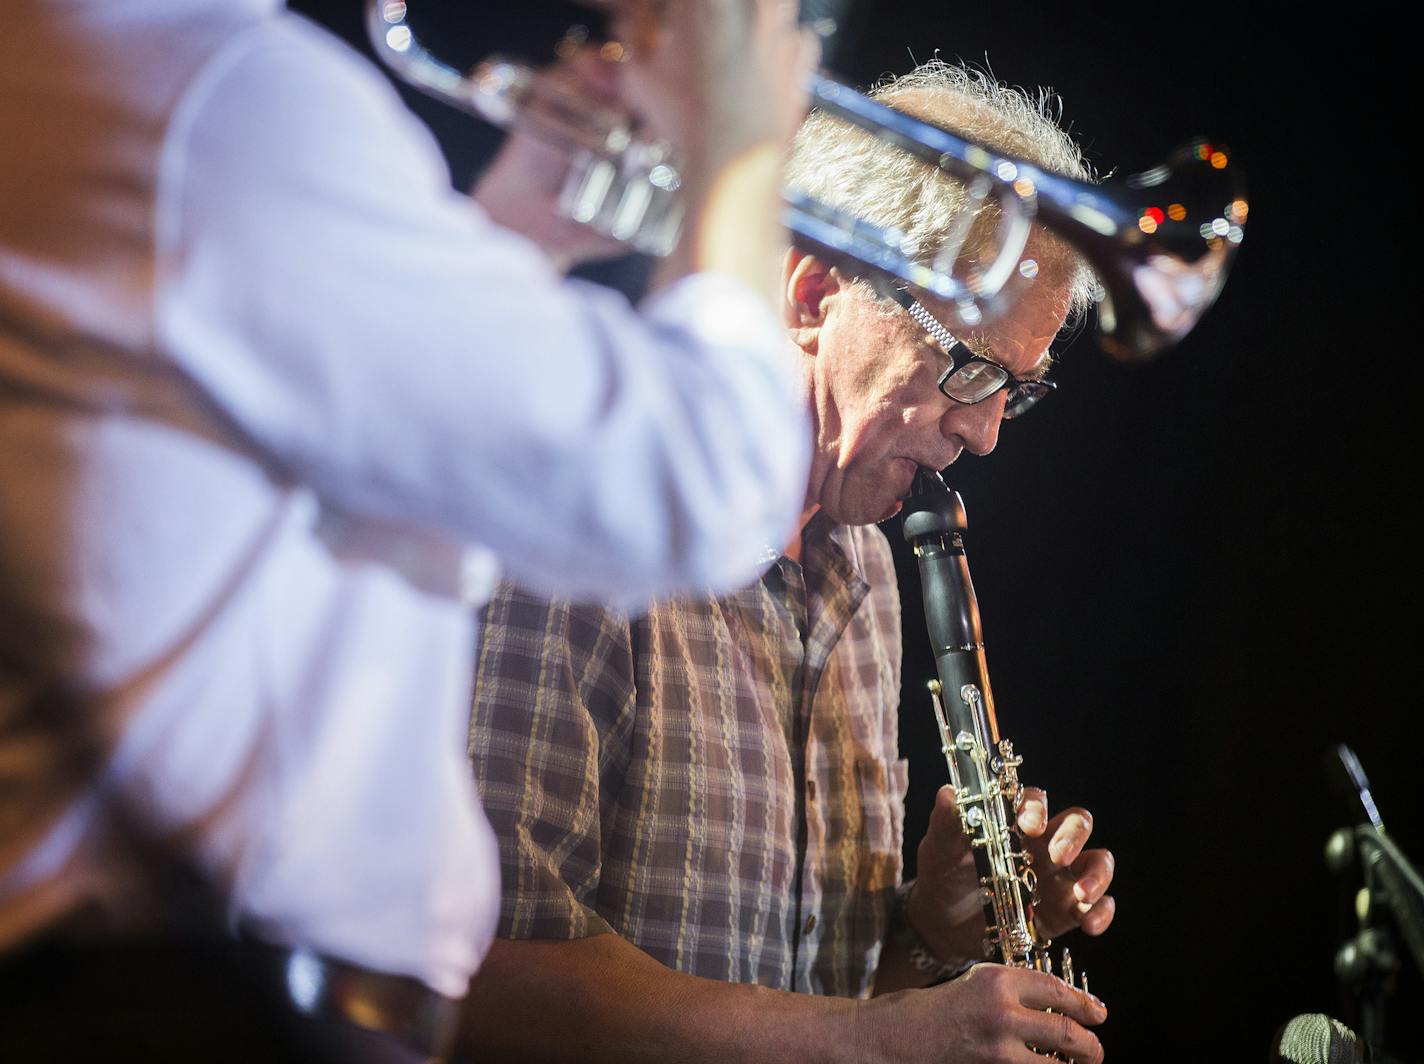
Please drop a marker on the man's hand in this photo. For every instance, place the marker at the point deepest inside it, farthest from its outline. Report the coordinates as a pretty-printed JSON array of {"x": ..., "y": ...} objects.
[
  {"x": 603, "y": 999},
  {"x": 990, "y": 1015},
  {"x": 725, "y": 82},
  {"x": 520, "y": 188},
  {"x": 717, "y": 77},
  {"x": 945, "y": 909},
  {"x": 1072, "y": 881}
]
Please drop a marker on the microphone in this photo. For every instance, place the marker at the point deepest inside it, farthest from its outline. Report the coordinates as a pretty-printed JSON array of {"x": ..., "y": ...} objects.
[{"x": 1319, "y": 1039}]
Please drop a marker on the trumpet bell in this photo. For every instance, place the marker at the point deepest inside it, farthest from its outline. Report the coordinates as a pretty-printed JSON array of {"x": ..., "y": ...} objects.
[{"x": 1162, "y": 243}]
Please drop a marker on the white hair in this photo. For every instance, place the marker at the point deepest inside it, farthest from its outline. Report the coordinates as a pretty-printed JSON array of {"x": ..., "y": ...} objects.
[{"x": 849, "y": 169}]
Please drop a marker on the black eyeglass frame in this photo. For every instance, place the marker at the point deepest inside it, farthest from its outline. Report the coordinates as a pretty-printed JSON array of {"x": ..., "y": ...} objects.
[{"x": 1023, "y": 394}]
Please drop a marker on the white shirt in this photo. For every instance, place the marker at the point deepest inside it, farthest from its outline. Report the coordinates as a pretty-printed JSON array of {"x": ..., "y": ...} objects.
[{"x": 272, "y": 399}]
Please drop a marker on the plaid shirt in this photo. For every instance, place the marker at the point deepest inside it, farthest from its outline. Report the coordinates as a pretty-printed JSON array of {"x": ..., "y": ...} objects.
[{"x": 717, "y": 781}]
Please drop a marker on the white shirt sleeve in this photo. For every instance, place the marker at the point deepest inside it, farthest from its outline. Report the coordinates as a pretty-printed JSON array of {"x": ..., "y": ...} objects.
[{"x": 375, "y": 336}]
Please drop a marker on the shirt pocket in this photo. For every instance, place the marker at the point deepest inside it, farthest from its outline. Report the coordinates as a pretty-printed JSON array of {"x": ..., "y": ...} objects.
[{"x": 882, "y": 786}]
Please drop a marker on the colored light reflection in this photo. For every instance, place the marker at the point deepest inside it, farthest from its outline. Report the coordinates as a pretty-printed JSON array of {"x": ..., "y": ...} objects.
[
  {"x": 1024, "y": 187},
  {"x": 394, "y": 11},
  {"x": 1177, "y": 212},
  {"x": 1218, "y": 160},
  {"x": 1028, "y": 268},
  {"x": 1155, "y": 213},
  {"x": 398, "y": 38},
  {"x": 1237, "y": 211},
  {"x": 612, "y": 52},
  {"x": 1147, "y": 224},
  {"x": 574, "y": 38}
]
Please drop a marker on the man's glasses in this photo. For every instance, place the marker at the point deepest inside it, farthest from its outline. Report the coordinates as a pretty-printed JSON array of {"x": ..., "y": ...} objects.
[{"x": 972, "y": 378}]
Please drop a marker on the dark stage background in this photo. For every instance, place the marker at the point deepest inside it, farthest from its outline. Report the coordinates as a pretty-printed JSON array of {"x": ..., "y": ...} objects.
[{"x": 1198, "y": 574}]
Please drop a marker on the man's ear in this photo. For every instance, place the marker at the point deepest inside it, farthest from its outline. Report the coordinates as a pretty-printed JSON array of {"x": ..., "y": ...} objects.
[{"x": 809, "y": 282}]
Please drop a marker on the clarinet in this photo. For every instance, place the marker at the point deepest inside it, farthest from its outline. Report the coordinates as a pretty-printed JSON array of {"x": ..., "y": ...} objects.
[{"x": 983, "y": 769}]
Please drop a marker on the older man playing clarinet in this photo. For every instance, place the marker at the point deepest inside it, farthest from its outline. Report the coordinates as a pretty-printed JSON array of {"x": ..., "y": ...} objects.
[{"x": 700, "y": 808}]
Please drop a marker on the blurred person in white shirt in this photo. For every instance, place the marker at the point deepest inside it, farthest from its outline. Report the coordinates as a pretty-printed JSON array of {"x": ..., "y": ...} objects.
[{"x": 275, "y": 406}]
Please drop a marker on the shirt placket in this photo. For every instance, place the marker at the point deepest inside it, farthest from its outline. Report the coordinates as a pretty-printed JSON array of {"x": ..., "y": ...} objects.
[
  {"x": 830, "y": 597},
  {"x": 787, "y": 582}
]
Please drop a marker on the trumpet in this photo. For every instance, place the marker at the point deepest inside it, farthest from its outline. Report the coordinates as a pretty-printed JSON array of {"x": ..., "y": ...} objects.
[{"x": 1161, "y": 242}]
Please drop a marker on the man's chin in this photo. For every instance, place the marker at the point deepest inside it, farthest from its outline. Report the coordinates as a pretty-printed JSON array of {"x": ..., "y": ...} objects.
[
  {"x": 867, "y": 514},
  {"x": 869, "y": 503},
  {"x": 895, "y": 508}
]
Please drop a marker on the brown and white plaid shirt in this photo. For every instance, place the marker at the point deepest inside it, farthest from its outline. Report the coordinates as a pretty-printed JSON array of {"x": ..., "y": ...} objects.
[{"x": 717, "y": 781}]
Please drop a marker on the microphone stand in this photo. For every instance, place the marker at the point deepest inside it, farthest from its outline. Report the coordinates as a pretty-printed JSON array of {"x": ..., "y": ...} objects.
[{"x": 1366, "y": 963}]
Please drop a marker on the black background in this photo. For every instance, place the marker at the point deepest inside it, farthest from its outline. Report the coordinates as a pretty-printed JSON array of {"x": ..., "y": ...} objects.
[{"x": 1198, "y": 574}]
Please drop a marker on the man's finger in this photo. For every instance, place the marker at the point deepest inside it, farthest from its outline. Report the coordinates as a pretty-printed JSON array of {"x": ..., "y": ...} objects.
[
  {"x": 945, "y": 813},
  {"x": 1058, "y": 1033},
  {"x": 1046, "y": 991},
  {"x": 595, "y": 69},
  {"x": 1092, "y": 874},
  {"x": 1032, "y": 811},
  {"x": 1071, "y": 831},
  {"x": 1096, "y": 920}
]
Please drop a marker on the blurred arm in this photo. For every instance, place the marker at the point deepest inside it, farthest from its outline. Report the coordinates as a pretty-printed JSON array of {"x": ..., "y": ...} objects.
[{"x": 375, "y": 336}]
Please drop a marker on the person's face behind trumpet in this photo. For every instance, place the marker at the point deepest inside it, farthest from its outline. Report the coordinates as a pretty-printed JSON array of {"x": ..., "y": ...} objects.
[{"x": 872, "y": 374}]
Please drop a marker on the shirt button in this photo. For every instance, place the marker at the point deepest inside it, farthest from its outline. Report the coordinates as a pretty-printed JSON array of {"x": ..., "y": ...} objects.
[
  {"x": 810, "y": 924},
  {"x": 811, "y": 790}
]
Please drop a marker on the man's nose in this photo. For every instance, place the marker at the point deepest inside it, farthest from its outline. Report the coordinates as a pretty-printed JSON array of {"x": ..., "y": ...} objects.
[{"x": 976, "y": 424}]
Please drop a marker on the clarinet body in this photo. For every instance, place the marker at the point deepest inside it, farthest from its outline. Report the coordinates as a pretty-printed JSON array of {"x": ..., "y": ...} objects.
[{"x": 983, "y": 768}]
